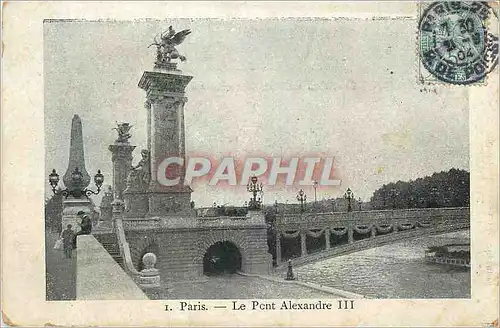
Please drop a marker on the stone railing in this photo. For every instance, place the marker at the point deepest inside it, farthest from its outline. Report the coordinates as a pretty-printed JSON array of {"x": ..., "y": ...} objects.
[
  {"x": 343, "y": 219},
  {"x": 99, "y": 277},
  {"x": 251, "y": 219},
  {"x": 149, "y": 277}
]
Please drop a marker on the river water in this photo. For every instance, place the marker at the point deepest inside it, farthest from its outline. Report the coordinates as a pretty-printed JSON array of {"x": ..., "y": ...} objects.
[{"x": 394, "y": 271}]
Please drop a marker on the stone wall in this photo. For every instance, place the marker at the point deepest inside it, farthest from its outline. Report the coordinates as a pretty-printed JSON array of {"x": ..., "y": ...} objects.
[
  {"x": 99, "y": 277},
  {"x": 181, "y": 246}
]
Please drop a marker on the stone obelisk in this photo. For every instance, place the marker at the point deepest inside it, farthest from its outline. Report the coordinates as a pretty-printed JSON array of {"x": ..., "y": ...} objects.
[
  {"x": 165, "y": 91},
  {"x": 72, "y": 205}
]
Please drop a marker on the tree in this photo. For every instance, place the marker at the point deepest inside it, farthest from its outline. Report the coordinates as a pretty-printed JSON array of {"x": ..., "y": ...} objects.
[{"x": 442, "y": 189}]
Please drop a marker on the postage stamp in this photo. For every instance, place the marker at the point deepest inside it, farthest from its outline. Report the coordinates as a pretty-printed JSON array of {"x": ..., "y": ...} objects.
[
  {"x": 249, "y": 164},
  {"x": 458, "y": 41}
]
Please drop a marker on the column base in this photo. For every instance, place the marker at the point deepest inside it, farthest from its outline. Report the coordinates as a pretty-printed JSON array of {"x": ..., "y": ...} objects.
[
  {"x": 167, "y": 203},
  {"x": 136, "y": 203}
]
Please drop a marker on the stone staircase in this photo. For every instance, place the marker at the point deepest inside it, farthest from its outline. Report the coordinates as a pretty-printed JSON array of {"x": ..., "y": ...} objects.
[{"x": 110, "y": 244}]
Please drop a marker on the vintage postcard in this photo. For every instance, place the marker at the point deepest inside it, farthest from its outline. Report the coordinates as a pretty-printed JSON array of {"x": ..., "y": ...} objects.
[{"x": 250, "y": 164}]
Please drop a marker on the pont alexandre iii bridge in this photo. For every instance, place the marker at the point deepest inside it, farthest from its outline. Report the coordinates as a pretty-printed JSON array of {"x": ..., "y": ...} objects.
[
  {"x": 313, "y": 237},
  {"x": 187, "y": 247}
]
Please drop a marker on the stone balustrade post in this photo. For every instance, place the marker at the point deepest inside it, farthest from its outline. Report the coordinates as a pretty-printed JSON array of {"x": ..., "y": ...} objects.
[
  {"x": 394, "y": 226},
  {"x": 303, "y": 245},
  {"x": 278, "y": 248},
  {"x": 327, "y": 238},
  {"x": 373, "y": 231},
  {"x": 350, "y": 235}
]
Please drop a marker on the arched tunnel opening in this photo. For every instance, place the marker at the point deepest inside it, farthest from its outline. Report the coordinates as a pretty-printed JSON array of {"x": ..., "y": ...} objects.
[{"x": 220, "y": 258}]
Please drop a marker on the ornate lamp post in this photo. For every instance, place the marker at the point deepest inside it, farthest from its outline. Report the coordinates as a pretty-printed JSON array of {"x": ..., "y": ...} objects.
[
  {"x": 315, "y": 186},
  {"x": 349, "y": 196},
  {"x": 302, "y": 197},
  {"x": 434, "y": 194},
  {"x": 359, "y": 203},
  {"x": 254, "y": 188},
  {"x": 76, "y": 180},
  {"x": 394, "y": 194}
]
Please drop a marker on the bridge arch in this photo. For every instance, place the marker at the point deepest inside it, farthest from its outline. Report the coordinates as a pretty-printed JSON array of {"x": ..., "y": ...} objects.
[
  {"x": 216, "y": 242},
  {"x": 362, "y": 245}
]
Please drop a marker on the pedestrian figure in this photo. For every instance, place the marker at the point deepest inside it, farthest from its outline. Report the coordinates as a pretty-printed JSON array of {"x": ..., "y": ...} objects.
[
  {"x": 85, "y": 225},
  {"x": 68, "y": 236},
  {"x": 289, "y": 273}
]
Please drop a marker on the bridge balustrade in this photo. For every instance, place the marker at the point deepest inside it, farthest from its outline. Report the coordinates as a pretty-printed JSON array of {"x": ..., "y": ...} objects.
[{"x": 365, "y": 224}]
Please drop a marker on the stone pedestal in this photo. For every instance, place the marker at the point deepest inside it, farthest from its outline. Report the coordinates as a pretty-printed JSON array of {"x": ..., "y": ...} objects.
[
  {"x": 171, "y": 202},
  {"x": 122, "y": 163},
  {"x": 71, "y": 206},
  {"x": 303, "y": 244},
  {"x": 350, "y": 235},
  {"x": 327, "y": 238},
  {"x": 166, "y": 139},
  {"x": 136, "y": 203}
]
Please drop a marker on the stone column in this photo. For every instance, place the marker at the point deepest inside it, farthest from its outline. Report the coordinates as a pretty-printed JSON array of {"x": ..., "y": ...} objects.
[
  {"x": 166, "y": 99},
  {"x": 327, "y": 238},
  {"x": 373, "y": 231},
  {"x": 122, "y": 163},
  {"x": 278, "y": 248},
  {"x": 147, "y": 106},
  {"x": 350, "y": 235},
  {"x": 394, "y": 227},
  {"x": 303, "y": 244}
]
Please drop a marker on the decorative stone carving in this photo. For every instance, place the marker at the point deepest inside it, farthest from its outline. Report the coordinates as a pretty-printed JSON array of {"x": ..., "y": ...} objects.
[
  {"x": 165, "y": 47},
  {"x": 118, "y": 207},
  {"x": 149, "y": 276},
  {"x": 140, "y": 176},
  {"x": 106, "y": 207},
  {"x": 123, "y": 132}
]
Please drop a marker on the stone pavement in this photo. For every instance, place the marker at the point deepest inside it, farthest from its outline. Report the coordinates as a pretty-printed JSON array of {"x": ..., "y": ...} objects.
[
  {"x": 60, "y": 272},
  {"x": 233, "y": 286}
]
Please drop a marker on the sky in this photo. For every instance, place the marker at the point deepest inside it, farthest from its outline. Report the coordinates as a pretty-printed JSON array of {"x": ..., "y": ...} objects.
[{"x": 346, "y": 88}]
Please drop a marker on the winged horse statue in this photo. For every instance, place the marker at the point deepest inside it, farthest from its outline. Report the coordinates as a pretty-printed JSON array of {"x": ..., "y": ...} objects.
[{"x": 166, "y": 44}]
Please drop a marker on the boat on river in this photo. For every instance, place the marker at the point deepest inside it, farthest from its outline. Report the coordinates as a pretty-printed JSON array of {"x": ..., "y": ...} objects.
[{"x": 457, "y": 254}]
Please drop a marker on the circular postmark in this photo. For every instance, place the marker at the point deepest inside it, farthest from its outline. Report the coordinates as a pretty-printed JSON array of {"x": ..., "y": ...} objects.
[{"x": 454, "y": 44}]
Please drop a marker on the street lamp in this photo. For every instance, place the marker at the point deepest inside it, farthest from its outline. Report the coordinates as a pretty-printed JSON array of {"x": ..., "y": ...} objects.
[
  {"x": 349, "y": 195},
  {"x": 434, "y": 193},
  {"x": 394, "y": 194},
  {"x": 254, "y": 188},
  {"x": 359, "y": 203},
  {"x": 315, "y": 186},
  {"x": 302, "y": 197},
  {"x": 76, "y": 181}
]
